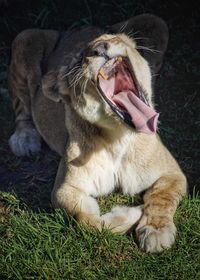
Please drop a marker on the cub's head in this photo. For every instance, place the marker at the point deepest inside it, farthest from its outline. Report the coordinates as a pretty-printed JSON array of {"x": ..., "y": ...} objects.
[{"x": 110, "y": 84}]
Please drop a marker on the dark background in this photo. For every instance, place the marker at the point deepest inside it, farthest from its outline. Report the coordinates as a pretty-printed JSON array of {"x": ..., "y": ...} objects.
[{"x": 177, "y": 87}]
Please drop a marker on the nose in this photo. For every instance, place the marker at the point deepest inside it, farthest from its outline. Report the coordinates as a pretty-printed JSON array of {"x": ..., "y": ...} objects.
[{"x": 98, "y": 50}]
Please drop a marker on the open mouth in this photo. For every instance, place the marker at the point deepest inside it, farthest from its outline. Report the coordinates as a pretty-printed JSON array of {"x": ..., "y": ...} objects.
[{"x": 120, "y": 89}]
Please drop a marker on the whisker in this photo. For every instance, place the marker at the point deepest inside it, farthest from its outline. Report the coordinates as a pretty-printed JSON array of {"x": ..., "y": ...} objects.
[
  {"x": 140, "y": 38},
  {"x": 74, "y": 90},
  {"x": 131, "y": 33},
  {"x": 75, "y": 68},
  {"x": 147, "y": 49},
  {"x": 75, "y": 83},
  {"x": 123, "y": 27},
  {"x": 85, "y": 85},
  {"x": 76, "y": 75},
  {"x": 82, "y": 87},
  {"x": 155, "y": 75},
  {"x": 76, "y": 78}
]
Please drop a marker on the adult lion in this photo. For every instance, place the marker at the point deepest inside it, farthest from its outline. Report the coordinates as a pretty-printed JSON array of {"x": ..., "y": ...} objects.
[{"x": 105, "y": 125}]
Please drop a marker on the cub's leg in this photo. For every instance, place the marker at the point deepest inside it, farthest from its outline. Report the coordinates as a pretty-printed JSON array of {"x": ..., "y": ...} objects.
[
  {"x": 29, "y": 49},
  {"x": 78, "y": 204},
  {"x": 68, "y": 195},
  {"x": 156, "y": 229},
  {"x": 85, "y": 210}
]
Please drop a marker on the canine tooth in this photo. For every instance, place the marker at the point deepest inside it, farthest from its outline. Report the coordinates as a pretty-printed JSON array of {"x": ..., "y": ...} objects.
[
  {"x": 101, "y": 73},
  {"x": 119, "y": 59}
]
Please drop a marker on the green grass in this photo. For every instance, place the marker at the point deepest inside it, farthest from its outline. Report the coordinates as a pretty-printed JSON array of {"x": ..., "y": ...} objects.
[
  {"x": 177, "y": 85},
  {"x": 38, "y": 243},
  {"x": 48, "y": 246}
]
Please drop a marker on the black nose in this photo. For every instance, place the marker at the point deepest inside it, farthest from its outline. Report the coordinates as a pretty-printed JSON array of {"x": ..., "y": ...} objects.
[{"x": 99, "y": 50}]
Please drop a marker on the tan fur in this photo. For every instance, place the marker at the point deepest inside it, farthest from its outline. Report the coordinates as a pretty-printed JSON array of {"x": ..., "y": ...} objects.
[{"x": 102, "y": 153}]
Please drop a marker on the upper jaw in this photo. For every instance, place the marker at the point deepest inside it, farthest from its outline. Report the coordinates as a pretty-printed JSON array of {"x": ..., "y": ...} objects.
[
  {"x": 108, "y": 68},
  {"x": 118, "y": 85},
  {"x": 124, "y": 116}
]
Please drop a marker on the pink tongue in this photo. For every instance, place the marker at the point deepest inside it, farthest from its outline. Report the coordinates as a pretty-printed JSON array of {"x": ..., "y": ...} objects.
[{"x": 144, "y": 118}]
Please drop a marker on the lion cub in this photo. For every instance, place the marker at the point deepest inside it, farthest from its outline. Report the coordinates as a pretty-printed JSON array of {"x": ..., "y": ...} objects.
[{"x": 105, "y": 125}]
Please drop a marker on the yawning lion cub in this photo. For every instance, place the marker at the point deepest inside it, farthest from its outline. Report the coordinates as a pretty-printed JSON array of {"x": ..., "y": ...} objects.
[{"x": 105, "y": 126}]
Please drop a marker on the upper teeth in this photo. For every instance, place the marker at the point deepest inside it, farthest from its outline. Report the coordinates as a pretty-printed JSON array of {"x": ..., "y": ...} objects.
[{"x": 106, "y": 66}]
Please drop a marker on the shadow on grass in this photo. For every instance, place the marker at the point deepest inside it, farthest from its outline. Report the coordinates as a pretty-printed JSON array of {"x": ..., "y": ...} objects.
[{"x": 30, "y": 179}]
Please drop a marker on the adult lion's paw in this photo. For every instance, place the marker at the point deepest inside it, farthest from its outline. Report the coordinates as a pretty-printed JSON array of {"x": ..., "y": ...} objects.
[
  {"x": 25, "y": 142},
  {"x": 155, "y": 239}
]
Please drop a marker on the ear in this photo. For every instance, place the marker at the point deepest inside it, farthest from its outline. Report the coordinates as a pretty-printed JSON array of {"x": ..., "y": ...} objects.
[
  {"x": 152, "y": 34},
  {"x": 50, "y": 86},
  {"x": 55, "y": 85}
]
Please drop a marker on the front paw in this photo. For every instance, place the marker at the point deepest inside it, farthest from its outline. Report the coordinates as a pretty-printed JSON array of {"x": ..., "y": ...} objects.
[{"x": 153, "y": 238}]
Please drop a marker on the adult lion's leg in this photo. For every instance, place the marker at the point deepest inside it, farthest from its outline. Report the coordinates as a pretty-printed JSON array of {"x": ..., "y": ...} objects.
[
  {"x": 156, "y": 229},
  {"x": 25, "y": 140},
  {"x": 28, "y": 51}
]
